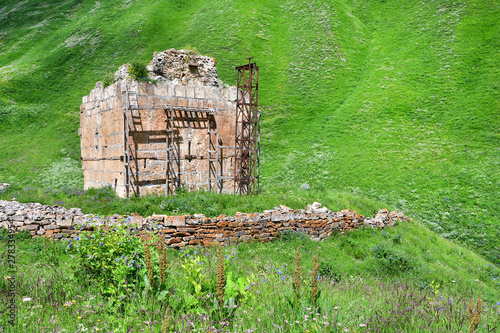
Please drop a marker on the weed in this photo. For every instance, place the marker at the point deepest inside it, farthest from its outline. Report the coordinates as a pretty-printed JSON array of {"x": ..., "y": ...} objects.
[
  {"x": 108, "y": 79},
  {"x": 314, "y": 279},
  {"x": 138, "y": 71},
  {"x": 297, "y": 277},
  {"x": 327, "y": 271},
  {"x": 389, "y": 260},
  {"x": 474, "y": 314},
  {"x": 221, "y": 277}
]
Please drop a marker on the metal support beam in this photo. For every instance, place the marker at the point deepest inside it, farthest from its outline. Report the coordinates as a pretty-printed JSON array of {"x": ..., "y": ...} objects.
[{"x": 247, "y": 136}]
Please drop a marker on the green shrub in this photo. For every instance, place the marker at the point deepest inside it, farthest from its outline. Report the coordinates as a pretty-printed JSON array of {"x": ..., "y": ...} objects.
[
  {"x": 389, "y": 260},
  {"x": 397, "y": 239},
  {"x": 113, "y": 261},
  {"x": 138, "y": 71},
  {"x": 353, "y": 248},
  {"x": 327, "y": 271},
  {"x": 108, "y": 79}
]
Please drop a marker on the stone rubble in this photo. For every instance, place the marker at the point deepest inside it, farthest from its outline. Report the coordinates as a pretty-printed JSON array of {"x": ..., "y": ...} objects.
[
  {"x": 317, "y": 222},
  {"x": 178, "y": 67}
]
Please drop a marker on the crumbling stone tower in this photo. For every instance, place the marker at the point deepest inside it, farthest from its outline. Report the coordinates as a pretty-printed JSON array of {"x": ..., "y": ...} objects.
[{"x": 151, "y": 138}]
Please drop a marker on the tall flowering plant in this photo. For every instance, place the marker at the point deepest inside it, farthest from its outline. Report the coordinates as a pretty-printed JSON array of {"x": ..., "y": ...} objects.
[{"x": 112, "y": 258}]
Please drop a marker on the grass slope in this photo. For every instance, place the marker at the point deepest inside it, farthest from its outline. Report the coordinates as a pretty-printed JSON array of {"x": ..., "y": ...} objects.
[
  {"x": 392, "y": 100},
  {"x": 399, "y": 279}
]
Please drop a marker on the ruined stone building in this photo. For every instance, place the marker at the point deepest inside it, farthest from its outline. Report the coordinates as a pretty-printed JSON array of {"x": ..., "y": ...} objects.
[{"x": 182, "y": 129}]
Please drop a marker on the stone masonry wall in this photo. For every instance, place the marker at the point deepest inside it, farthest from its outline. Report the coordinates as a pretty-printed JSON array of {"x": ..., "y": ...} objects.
[
  {"x": 102, "y": 135},
  {"x": 317, "y": 223}
]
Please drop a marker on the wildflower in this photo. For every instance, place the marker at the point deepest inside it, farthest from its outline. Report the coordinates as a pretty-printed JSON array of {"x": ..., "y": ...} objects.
[
  {"x": 79, "y": 317},
  {"x": 336, "y": 308},
  {"x": 362, "y": 325},
  {"x": 26, "y": 299}
]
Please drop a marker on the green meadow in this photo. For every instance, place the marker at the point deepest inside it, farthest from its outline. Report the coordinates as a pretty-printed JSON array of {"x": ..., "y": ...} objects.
[{"x": 365, "y": 105}]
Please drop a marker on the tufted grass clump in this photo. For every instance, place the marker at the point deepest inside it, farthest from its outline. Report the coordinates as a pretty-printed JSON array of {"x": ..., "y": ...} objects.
[
  {"x": 138, "y": 71},
  {"x": 108, "y": 79}
]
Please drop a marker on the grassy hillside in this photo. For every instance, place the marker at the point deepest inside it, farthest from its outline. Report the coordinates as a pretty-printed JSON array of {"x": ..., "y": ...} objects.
[{"x": 396, "y": 101}]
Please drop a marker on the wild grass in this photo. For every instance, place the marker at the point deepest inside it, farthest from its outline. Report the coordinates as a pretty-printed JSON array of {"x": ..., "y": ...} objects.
[
  {"x": 255, "y": 284},
  {"x": 104, "y": 202}
]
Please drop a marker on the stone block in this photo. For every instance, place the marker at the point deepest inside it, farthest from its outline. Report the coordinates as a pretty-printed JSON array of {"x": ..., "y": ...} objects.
[
  {"x": 161, "y": 90},
  {"x": 188, "y": 230},
  {"x": 179, "y": 91},
  {"x": 179, "y": 245},
  {"x": 190, "y": 92},
  {"x": 222, "y": 224},
  {"x": 175, "y": 220},
  {"x": 18, "y": 218},
  {"x": 199, "y": 92}
]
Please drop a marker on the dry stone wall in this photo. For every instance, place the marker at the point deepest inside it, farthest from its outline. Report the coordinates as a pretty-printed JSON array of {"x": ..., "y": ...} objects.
[{"x": 179, "y": 231}]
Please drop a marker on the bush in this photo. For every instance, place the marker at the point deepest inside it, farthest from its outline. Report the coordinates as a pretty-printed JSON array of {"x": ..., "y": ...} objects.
[
  {"x": 353, "y": 248},
  {"x": 138, "y": 71},
  {"x": 327, "y": 271},
  {"x": 389, "y": 260},
  {"x": 108, "y": 79},
  {"x": 113, "y": 261},
  {"x": 397, "y": 239}
]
